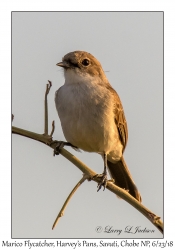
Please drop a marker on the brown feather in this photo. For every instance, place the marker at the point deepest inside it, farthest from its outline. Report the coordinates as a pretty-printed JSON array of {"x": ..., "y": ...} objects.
[
  {"x": 119, "y": 170},
  {"x": 120, "y": 173}
]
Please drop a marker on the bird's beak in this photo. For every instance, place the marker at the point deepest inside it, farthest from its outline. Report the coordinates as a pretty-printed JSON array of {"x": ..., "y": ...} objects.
[{"x": 63, "y": 64}]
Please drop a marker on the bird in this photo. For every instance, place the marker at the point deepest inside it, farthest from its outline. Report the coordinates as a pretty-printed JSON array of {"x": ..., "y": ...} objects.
[{"x": 92, "y": 116}]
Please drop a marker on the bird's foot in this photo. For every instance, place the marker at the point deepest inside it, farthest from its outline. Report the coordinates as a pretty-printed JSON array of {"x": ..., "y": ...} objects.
[
  {"x": 103, "y": 181},
  {"x": 60, "y": 145}
]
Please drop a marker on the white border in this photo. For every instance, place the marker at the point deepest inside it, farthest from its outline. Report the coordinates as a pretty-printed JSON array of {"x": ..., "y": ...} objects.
[{"x": 5, "y": 97}]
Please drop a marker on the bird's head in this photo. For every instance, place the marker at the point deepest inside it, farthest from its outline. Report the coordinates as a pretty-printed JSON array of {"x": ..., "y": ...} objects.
[{"x": 81, "y": 65}]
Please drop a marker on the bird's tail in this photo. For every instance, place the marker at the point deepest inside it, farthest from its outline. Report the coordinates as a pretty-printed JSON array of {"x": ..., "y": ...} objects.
[{"x": 120, "y": 173}]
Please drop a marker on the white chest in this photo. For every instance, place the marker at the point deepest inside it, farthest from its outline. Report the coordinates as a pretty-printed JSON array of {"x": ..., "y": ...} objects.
[{"x": 86, "y": 115}]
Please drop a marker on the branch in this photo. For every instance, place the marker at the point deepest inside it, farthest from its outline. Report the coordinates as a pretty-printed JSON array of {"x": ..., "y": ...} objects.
[
  {"x": 155, "y": 220},
  {"x": 61, "y": 213},
  {"x": 88, "y": 173},
  {"x": 48, "y": 87}
]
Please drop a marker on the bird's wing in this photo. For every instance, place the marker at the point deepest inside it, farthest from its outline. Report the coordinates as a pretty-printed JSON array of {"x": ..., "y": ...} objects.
[{"x": 120, "y": 119}]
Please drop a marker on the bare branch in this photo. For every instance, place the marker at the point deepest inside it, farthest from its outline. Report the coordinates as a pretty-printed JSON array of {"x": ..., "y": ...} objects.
[
  {"x": 48, "y": 87},
  {"x": 88, "y": 173},
  {"x": 155, "y": 220},
  {"x": 53, "y": 128},
  {"x": 61, "y": 213}
]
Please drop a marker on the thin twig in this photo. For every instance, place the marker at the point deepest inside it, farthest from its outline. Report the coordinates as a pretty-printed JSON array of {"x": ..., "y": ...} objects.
[
  {"x": 53, "y": 128},
  {"x": 48, "y": 87},
  {"x": 61, "y": 213}
]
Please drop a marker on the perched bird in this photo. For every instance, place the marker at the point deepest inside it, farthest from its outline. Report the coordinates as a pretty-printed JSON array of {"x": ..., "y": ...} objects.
[{"x": 92, "y": 116}]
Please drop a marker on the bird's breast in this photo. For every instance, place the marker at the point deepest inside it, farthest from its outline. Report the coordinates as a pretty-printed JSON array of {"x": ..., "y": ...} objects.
[{"x": 86, "y": 115}]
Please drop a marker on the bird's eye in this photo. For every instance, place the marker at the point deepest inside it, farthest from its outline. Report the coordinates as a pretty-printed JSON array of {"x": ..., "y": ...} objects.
[{"x": 85, "y": 62}]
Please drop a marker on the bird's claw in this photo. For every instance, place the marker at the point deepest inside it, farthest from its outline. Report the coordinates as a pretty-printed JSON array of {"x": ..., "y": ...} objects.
[
  {"x": 103, "y": 181},
  {"x": 58, "y": 147}
]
